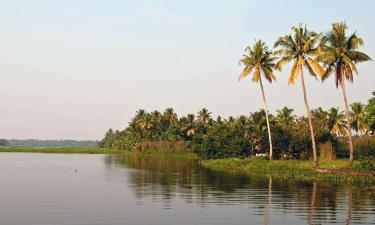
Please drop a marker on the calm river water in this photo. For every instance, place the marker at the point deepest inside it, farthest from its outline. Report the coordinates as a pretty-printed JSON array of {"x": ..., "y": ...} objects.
[{"x": 75, "y": 189}]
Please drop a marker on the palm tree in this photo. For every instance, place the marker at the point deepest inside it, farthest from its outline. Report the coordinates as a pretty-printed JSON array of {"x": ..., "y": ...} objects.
[
  {"x": 204, "y": 115},
  {"x": 170, "y": 115},
  {"x": 336, "y": 121},
  {"x": 147, "y": 123},
  {"x": 300, "y": 47},
  {"x": 259, "y": 59},
  {"x": 189, "y": 125},
  {"x": 340, "y": 54},
  {"x": 358, "y": 121},
  {"x": 285, "y": 116}
]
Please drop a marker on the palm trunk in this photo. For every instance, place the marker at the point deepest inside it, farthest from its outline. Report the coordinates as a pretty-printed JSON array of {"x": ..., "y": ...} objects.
[
  {"x": 268, "y": 123},
  {"x": 349, "y": 130},
  {"x": 315, "y": 158}
]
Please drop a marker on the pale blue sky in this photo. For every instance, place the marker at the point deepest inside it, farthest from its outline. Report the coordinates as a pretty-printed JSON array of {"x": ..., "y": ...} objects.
[{"x": 73, "y": 69}]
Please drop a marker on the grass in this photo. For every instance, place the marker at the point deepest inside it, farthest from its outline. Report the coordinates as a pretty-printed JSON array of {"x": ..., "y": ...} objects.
[
  {"x": 93, "y": 150},
  {"x": 295, "y": 170},
  {"x": 81, "y": 150}
]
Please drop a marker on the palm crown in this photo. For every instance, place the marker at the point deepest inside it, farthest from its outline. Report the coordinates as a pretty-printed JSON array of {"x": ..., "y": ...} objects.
[
  {"x": 340, "y": 53},
  {"x": 260, "y": 60},
  {"x": 300, "y": 47}
]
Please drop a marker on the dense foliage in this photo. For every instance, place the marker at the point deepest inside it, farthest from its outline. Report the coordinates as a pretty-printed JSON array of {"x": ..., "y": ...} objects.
[
  {"x": 283, "y": 135},
  {"x": 244, "y": 135}
]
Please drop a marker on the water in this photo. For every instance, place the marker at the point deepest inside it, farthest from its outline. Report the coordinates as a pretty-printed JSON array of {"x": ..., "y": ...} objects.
[{"x": 45, "y": 189}]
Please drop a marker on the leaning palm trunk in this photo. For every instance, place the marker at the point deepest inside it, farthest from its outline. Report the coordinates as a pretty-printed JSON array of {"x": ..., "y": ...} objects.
[
  {"x": 315, "y": 158},
  {"x": 268, "y": 123},
  {"x": 349, "y": 130}
]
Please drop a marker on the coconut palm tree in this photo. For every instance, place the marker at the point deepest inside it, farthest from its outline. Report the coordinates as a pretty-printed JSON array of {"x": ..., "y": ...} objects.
[
  {"x": 300, "y": 47},
  {"x": 170, "y": 115},
  {"x": 147, "y": 123},
  {"x": 336, "y": 121},
  {"x": 340, "y": 55},
  {"x": 285, "y": 116},
  {"x": 259, "y": 61},
  {"x": 188, "y": 125},
  {"x": 358, "y": 121},
  {"x": 204, "y": 115}
]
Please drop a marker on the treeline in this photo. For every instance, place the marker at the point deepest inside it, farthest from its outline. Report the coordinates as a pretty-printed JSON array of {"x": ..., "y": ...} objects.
[
  {"x": 319, "y": 55},
  {"x": 246, "y": 135},
  {"x": 47, "y": 143}
]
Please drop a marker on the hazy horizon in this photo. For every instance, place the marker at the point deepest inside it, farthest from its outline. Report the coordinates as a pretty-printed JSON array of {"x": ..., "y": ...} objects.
[{"x": 72, "y": 70}]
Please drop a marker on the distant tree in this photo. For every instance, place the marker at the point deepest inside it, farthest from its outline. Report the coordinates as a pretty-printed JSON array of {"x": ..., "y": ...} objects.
[
  {"x": 3, "y": 142},
  {"x": 336, "y": 121},
  {"x": 204, "y": 115},
  {"x": 285, "y": 116},
  {"x": 370, "y": 113},
  {"x": 357, "y": 115}
]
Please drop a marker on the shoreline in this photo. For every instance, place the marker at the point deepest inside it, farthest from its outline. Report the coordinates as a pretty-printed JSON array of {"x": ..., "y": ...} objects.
[{"x": 294, "y": 170}]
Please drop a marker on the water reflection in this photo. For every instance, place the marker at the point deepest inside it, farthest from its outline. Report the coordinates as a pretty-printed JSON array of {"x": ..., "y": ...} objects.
[{"x": 165, "y": 179}]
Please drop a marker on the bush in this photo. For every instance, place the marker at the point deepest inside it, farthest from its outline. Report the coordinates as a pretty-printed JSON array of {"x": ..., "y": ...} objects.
[
  {"x": 364, "y": 148},
  {"x": 364, "y": 165},
  {"x": 161, "y": 146}
]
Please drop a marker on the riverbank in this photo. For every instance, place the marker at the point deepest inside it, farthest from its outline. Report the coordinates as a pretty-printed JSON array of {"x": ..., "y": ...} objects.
[
  {"x": 94, "y": 150},
  {"x": 81, "y": 150},
  {"x": 295, "y": 170}
]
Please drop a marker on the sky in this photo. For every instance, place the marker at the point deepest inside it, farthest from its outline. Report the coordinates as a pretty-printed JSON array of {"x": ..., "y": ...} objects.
[{"x": 73, "y": 69}]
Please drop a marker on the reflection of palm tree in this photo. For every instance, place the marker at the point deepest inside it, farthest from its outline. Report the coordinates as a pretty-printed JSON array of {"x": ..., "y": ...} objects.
[
  {"x": 266, "y": 219},
  {"x": 340, "y": 54},
  {"x": 312, "y": 204},
  {"x": 299, "y": 47},
  {"x": 260, "y": 60},
  {"x": 350, "y": 206}
]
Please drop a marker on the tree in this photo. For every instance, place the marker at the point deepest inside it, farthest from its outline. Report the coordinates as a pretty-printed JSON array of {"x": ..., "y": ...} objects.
[
  {"x": 300, "y": 48},
  {"x": 340, "y": 55},
  {"x": 3, "y": 142},
  {"x": 259, "y": 61},
  {"x": 188, "y": 125},
  {"x": 204, "y": 115},
  {"x": 336, "y": 121},
  {"x": 358, "y": 121},
  {"x": 285, "y": 116},
  {"x": 370, "y": 113}
]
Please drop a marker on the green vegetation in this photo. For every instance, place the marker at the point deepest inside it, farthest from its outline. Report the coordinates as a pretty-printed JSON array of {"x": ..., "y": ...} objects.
[
  {"x": 83, "y": 150},
  {"x": 321, "y": 134},
  {"x": 295, "y": 170},
  {"x": 47, "y": 143}
]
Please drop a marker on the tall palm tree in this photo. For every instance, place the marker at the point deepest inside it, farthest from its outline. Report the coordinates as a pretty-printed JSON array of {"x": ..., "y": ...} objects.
[
  {"x": 204, "y": 115},
  {"x": 340, "y": 54},
  {"x": 259, "y": 61},
  {"x": 300, "y": 47},
  {"x": 336, "y": 121},
  {"x": 358, "y": 120}
]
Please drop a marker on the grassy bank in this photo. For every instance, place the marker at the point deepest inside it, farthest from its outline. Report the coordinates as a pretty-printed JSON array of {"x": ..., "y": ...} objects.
[
  {"x": 291, "y": 170},
  {"x": 82, "y": 150},
  {"x": 93, "y": 150}
]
